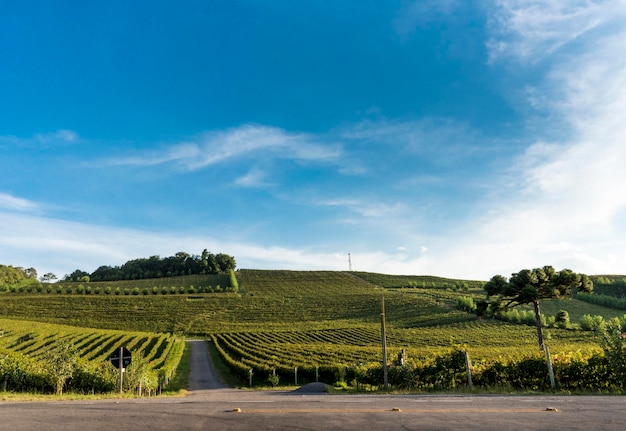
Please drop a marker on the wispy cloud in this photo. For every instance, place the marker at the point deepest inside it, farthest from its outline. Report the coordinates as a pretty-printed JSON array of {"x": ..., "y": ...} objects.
[
  {"x": 247, "y": 141},
  {"x": 562, "y": 203},
  {"x": 442, "y": 138},
  {"x": 10, "y": 202},
  {"x": 531, "y": 30},
  {"x": 367, "y": 208},
  {"x": 255, "y": 178},
  {"x": 39, "y": 140}
]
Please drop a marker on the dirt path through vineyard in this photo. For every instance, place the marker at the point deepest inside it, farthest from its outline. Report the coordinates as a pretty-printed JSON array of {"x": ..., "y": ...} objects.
[{"x": 202, "y": 375}]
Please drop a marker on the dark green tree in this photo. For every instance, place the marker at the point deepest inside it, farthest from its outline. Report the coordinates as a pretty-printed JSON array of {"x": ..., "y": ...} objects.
[
  {"x": 531, "y": 286},
  {"x": 48, "y": 277}
]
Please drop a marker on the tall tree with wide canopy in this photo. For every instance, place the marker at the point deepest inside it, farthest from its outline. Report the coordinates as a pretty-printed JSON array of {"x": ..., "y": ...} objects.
[{"x": 531, "y": 286}]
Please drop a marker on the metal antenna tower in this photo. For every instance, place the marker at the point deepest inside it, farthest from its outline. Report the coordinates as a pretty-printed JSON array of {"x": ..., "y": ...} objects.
[{"x": 349, "y": 262}]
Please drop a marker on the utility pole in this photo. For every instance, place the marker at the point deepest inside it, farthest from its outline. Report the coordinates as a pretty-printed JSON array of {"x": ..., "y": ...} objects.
[{"x": 384, "y": 342}]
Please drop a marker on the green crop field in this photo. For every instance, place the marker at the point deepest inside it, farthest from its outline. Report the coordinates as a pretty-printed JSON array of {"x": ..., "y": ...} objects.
[{"x": 280, "y": 320}]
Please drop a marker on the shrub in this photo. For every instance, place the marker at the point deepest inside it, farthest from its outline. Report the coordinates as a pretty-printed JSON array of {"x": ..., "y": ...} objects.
[
  {"x": 466, "y": 303},
  {"x": 591, "y": 323},
  {"x": 146, "y": 291},
  {"x": 273, "y": 378},
  {"x": 107, "y": 290},
  {"x": 117, "y": 291},
  {"x": 562, "y": 319},
  {"x": 234, "y": 285}
]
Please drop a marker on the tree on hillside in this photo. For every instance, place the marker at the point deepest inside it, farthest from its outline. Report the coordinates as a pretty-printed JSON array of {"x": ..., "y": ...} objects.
[
  {"x": 48, "y": 277},
  {"x": 529, "y": 287},
  {"x": 61, "y": 361},
  {"x": 77, "y": 275},
  {"x": 31, "y": 273}
]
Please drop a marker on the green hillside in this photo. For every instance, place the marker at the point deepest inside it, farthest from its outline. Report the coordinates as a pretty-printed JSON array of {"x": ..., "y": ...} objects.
[{"x": 308, "y": 319}]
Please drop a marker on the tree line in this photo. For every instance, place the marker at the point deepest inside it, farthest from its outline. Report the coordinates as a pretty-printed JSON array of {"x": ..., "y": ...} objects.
[{"x": 181, "y": 263}]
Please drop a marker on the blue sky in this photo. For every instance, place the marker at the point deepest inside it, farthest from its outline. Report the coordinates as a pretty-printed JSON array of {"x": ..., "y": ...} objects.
[{"x": 452, "y": 138}]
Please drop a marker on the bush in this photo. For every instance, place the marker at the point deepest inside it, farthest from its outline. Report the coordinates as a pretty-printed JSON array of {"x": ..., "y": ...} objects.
[
  {"x": 562, "y": 319},
  {"x": 234, "y": 285},
  {"x": 466, "y": 303},
  {"x": 591, "y": 323},
  {"x": 273, "y": 378}
]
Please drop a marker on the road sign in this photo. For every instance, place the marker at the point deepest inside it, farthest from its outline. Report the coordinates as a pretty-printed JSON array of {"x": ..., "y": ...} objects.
[{"x": 122, "y": 353}]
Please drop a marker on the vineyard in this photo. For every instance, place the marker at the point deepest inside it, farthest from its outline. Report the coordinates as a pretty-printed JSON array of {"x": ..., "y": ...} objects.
[
  {"x": 317, "y": 324},
  {"x": 26, "y": 349}
]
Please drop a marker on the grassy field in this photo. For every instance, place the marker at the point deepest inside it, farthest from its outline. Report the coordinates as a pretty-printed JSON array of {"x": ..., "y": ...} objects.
[{"x": 291, "y": 318}]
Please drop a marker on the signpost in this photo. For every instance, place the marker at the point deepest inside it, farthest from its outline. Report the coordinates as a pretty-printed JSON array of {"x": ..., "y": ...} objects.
[{"x": 121, "y": 358}]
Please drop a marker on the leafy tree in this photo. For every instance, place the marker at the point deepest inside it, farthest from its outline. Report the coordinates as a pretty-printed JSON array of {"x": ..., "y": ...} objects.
[
  {"x": 31, "y": 273},
  {"x": 61, "y": 361},
  {"x": 531, "y": 286},
  {"x": 224, "y": 262},
  {"x": 77, "y": 275},
  {"x": 16, "y": 276},
  {"x": 614, "y": 346},
  {"x": 47, "y": 277}
]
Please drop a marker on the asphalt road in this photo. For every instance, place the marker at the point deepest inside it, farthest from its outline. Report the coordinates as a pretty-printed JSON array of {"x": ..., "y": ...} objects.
[{"x": 206, "y": 408}]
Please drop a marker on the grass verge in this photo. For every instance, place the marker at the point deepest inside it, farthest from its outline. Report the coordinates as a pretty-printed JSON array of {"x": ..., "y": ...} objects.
[
  {"x": 180, "y": 382},
  {"x": 222, "y": 369}
]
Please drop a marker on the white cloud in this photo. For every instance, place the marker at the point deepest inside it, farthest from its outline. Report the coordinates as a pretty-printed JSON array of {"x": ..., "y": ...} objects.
[
  {"x": 254, "y": 178},
  {"x": 10, "y": 202},
  {"x": 60, "y": 247},
  {"x": 563, "y": 203},
  {"x": 246, "y": 141},
  {"x": 59, "y": 137},
  {"x": 368, "y": 208},
  {"x": 531, "y": 30},
  {"x": 438, "y": 138}
]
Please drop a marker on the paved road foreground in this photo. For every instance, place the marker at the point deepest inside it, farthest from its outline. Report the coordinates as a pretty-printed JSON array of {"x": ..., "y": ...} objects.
[
  {"x": 230, "y": 409},
  {"x": 210, "y": 406}
]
